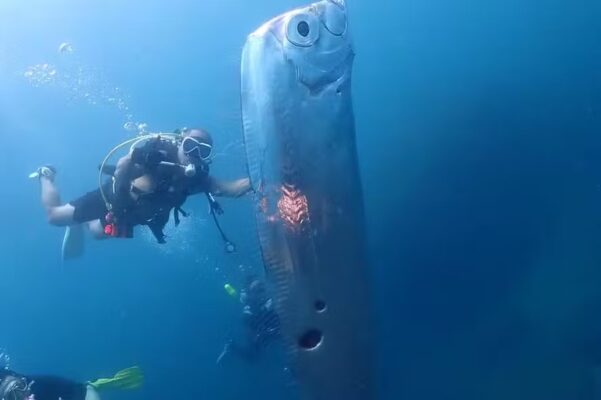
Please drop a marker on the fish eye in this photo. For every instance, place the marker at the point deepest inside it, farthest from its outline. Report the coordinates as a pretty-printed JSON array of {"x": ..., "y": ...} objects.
[
  {"x": 334, "y": 19},
  {"x": 302, "y": 29}
]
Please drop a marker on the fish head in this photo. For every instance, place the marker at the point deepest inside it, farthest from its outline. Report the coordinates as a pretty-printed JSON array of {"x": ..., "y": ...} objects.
[{"x": 314, "y": 40}]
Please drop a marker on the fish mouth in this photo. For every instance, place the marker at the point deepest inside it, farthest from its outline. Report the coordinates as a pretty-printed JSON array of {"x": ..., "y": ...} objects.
[{"x": 337, "y": 76}]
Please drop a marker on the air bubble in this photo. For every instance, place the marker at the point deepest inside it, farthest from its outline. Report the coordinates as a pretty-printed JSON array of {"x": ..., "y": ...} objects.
[
  {"x": 65, "y": 48},
  {"x": 79, "y": 82}
]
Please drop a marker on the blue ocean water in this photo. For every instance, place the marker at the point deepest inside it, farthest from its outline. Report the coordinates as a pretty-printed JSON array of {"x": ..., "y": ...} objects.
[{"x": 478, "y": 130}]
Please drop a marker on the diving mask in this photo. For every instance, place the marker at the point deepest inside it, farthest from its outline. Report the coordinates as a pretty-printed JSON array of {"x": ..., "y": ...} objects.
[{"x": 196, "y": 149}]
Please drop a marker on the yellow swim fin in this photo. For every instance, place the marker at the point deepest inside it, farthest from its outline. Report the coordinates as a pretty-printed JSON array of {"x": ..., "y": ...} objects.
[{"x": 129, "y": 378}]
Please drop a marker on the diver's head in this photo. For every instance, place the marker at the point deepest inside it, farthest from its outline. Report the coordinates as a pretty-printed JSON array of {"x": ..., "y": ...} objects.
[
  {"x": 15, "y": 388},
  {"x": 196, "y": 147}
]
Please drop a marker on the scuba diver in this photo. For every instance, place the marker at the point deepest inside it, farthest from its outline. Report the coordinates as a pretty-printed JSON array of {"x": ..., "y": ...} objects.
[
  {"x": 152, "y": 180},
  {"x": 14, "y": 386},
  {"x": 261, "y": 322}
]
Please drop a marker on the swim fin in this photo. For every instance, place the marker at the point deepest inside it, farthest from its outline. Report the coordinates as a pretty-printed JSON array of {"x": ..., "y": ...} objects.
[
  {"x": 73, "y": 242},
  {"x": 47, "y": 171},
  {"x": 129, "y": 378}
]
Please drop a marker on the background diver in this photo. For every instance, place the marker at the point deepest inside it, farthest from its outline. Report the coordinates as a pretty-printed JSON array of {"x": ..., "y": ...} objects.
[
  {"x": 15, "y": 386},
  {"x": 147, "y": 184},
  {"x": 261, "y": 322}
]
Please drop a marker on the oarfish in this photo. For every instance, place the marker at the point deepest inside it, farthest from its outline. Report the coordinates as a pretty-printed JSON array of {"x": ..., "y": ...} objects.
[{"x": 302, "y": 160}]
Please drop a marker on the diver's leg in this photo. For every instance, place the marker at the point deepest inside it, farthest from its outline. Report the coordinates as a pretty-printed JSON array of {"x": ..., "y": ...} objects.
[
  {"x": 59, "y": 215},
  {"x": 50, "y": 195},
  {"x": 73, "y": 242},
  {"x": 62, "y": 215},
  {"x": 89, "y": 209},
  {"x": 97, "y": 230},
  {"x": 91, "y": 393}
]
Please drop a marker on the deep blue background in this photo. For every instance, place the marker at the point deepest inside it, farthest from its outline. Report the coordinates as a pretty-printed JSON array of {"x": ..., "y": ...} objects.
[
  {"x": 479, "y": 133},
  {"x": 480, "y": 124}
]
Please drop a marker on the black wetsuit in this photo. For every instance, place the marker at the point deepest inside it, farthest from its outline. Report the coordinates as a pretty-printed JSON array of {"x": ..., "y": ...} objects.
[
  {"x": 263, "y": 325},
  {"x": 46, "y": 387},
  {"x": 262, "y": 328},
  {"x": 154, "y": 209}
]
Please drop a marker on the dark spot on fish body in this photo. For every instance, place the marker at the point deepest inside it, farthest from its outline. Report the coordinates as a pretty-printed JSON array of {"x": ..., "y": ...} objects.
[
  {"x": 320, "y": 306},
  {"x": 310, "y": 340}
]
